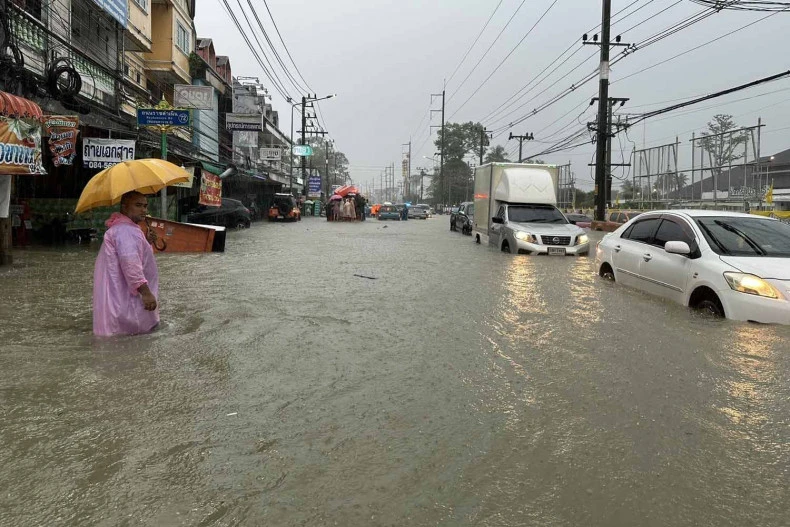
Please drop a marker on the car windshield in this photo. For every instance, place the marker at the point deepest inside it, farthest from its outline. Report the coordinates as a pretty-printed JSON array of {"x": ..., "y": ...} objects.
[
  {"x": 577, "y": 217},
  {"x": 535, "y": 214},
  {"x": 738, "y": 236}
]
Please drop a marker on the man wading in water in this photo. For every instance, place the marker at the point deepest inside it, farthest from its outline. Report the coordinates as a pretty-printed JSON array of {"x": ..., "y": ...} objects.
[{"x": 126, "y": 279}]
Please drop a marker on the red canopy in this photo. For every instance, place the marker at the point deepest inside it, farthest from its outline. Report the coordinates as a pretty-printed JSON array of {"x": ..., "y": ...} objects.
[
  {"x": 13, "y": 106},
  {"x": 348, "y": 189}
]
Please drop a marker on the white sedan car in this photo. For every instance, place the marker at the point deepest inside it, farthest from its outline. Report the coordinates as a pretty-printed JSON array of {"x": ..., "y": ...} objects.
[{"x": 730, "y": 264}]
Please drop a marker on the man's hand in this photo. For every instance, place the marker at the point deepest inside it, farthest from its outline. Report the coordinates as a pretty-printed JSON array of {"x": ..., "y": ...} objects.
[
  {"x": 152, "y": 237},
  {"x": 149, "y": 300}
]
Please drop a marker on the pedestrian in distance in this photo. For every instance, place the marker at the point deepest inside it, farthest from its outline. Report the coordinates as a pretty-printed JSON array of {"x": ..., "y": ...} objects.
[{"x": 125, "y": 278}]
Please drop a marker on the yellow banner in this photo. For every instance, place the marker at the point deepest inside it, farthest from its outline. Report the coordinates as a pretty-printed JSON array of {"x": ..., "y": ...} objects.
[
  {"x": 20, "y": 147},
  {"x": 779, "y": 214}
]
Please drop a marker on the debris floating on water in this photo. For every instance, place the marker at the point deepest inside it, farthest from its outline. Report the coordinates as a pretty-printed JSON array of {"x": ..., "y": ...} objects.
[
  {"x": 368, "y": 277},
  {"x": 232, "y": 413}
]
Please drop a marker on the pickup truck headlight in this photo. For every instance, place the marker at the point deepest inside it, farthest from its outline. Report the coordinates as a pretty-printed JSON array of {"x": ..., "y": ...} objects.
[
  {"x": 582, "y": 239},
  {"x": 751, "y": 284},
  {"x": 525, "y": 237}
]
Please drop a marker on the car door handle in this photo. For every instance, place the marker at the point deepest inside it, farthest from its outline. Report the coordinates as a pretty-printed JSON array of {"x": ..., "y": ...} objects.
[
  {"x": 647, "y": 257},
  {"x": 617, "y": 248}
]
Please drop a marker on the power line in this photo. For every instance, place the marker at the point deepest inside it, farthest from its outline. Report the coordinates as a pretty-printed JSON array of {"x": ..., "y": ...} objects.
[
  {"x": 475, "y": 41},
  {"x": 505, "y": 59},
  {"x": 489, "y": 49}
]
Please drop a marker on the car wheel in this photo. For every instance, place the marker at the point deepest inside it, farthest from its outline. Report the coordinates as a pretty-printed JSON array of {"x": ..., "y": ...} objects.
[
  {"x": 606, "y": 272},
  {"x": 711, "y": 306},
  {"x": 506, "y": 247}
]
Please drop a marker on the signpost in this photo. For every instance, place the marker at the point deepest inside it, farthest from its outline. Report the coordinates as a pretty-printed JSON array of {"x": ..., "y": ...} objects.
[
  {"x": 314, "y": 187},
  {"x": 163, "y": 117},
  {"x": 303, "y": 150}
]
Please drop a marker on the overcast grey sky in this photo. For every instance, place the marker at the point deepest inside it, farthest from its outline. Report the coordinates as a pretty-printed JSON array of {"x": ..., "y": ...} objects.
[{"x": 385, "y": 58}]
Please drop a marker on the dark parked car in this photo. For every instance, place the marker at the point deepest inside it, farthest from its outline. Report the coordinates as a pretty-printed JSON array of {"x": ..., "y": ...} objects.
[
  {"x": 232, "y": 213},
  {"x": 580, "y": 220},
  {"x": 463, "y": 219}
]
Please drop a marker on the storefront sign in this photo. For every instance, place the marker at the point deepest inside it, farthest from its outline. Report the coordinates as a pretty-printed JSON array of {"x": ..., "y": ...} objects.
[
  {"x": 195, "y": 97},
  {"x": 62, "y": 131},
  {"x": 210, "y": 190},
  {"x": 156, "y": 117},
  {"x": 314, "y": 187},
  {"x": 244, "y": 122},
  {"x": 187, "y": 184},
  {"x": 271, "y": 154},
  {"x": 103, "y": 153},
  {"x": 20, "y": 147}
]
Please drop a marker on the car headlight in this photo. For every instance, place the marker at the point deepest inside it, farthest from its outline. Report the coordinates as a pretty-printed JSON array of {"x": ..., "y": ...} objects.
[
  {"x": 751, "y": 284},
  {"x": 525, "y": 237},
  {"x": 582, "y": 239}
]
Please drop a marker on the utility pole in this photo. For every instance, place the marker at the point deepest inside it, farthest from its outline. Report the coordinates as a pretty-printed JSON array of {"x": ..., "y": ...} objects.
[
  {"x": 304, "y": 158},
  {"x": 602, "y": 126},
  {"x": 483, "y": 134},
  {"x": 521, "y": 139},
  {"x": 441, "y": 146}
]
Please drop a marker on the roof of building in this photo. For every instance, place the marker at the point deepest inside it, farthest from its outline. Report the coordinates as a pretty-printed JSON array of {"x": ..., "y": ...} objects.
[
  {"x": 222, "y": 60},
  {"x": 203, "y": 42}
]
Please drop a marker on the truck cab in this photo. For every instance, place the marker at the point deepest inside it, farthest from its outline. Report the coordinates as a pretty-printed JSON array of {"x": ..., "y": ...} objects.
[{"x": 516, "y": 212}]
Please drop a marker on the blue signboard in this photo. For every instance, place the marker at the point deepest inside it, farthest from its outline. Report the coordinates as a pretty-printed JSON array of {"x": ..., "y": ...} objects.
[
  {"x": 154, "y": 117},
  {"x": 118, "y": 9},
  {"x": 314, "y": 186}
]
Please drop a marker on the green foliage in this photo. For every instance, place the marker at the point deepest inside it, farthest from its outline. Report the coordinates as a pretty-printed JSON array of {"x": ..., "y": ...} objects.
[
  {"x": 722, "y": 140},
  {"x": 496, "y": 155},
  {"x": 454, "y": 184},
  {"x": 337, "y": 166}
]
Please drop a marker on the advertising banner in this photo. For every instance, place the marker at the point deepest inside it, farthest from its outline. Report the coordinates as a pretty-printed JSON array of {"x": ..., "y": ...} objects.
[
  {"x": 314, "y": 186},
  {"x": 20, "y": 147},
  {"x": 244, "y": 122},
  {"x": 62, "y": 131},
  {"x": 187, "y": 184},
  {"x": 195, "y": 97},
  {"x": 104, "y": 153},
  {"x": 210, "y": 190}
]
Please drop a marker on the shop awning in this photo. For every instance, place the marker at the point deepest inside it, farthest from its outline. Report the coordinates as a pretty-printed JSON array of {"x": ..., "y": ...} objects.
[
  {"x": 214, "y": 169},
  {"x": 18, "y": 107}
]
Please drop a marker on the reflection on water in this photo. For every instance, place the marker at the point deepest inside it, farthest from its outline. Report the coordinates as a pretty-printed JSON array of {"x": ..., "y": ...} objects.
[{"x": 462, "y": 386}]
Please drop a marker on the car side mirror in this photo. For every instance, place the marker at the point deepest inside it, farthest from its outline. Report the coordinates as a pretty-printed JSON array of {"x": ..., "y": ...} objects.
[
  {"x": 677, "y": 247},
  {"x": 497, "y": 219}
]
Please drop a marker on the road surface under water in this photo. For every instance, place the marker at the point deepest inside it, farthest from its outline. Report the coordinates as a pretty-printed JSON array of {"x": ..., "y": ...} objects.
[{"x": 460, "y": 386}]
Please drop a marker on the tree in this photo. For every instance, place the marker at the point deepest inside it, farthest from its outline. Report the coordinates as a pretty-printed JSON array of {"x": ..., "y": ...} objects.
[
  {"x": 721, "y": 141},
  {"x": 337, "y": 166},
  {"x": 452, "y": 184},
  {"x": 496, "y": 155}
]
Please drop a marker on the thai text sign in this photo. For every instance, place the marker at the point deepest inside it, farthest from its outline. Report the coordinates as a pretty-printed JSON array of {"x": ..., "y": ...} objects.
[
  {"x": 62, "y": 131},
  {"x": 104, "y": 153},
  {"x": 314, "y": 186},
  {"x": 155, "y": 117},
  {"x": 210, "y": 190},
  {"x": 271, "y": 154},
  {"x": 20, "y": 147},
  {"x": 302, "y": 150},
  {"x": 196, "y": 97},
  {"x": 244, "y": 122}
]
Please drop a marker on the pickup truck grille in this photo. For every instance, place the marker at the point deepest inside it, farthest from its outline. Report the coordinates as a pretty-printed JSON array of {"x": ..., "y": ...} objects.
[{"x": 555, "y": 240}]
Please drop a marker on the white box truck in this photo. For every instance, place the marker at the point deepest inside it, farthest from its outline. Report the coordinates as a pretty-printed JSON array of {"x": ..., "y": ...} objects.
[{"x": 516, "y": 211}]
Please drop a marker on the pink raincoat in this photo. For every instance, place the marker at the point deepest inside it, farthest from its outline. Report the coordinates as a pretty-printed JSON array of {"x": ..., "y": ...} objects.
[{"x": 126, "y": 261}]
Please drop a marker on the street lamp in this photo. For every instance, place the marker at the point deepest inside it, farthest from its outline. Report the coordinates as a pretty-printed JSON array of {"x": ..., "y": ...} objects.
[{"x": 294, "y": 105}]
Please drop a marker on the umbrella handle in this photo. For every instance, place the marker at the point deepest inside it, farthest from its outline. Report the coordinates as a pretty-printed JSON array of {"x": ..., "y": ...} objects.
[{"x": 160, "y": 244}]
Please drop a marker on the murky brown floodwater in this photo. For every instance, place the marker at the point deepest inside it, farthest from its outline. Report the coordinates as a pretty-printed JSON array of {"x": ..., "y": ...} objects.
[{"x": 462, "y": 387}]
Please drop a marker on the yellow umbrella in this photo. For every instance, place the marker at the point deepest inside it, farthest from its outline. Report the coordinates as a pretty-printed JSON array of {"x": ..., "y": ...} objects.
[{"x": 146, "y": 176}]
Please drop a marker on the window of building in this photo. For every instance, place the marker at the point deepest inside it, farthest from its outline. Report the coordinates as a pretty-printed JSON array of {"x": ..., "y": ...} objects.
[
  {"x": 182, "y": 38},
  {"x": 143, "y": 4}
]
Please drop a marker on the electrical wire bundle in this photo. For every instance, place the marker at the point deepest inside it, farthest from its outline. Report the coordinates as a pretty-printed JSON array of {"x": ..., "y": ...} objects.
[{"x": 746, "y": 5}]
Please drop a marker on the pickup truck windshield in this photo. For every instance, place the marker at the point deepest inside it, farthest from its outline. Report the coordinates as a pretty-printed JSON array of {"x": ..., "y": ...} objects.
[{"x": 535, "y": 214}]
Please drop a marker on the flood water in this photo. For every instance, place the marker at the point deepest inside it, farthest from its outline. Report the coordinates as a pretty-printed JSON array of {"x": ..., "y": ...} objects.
[{"x": 461, "y": 386}]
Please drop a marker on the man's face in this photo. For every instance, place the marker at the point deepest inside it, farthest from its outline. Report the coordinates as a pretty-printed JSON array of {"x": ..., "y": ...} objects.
[{"x": 136, "y": 208}]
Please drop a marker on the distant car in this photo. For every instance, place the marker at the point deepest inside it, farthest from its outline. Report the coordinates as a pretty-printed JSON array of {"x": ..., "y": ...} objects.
[
  {"x": 388, "y": 212},
  {"x": 428, "y": 208},
  {"x": 728, "y": 264},
  {"x": 418, "y": 213},
  {"x": 232, "y": 213},
  {"x": 284, "y": 208},
  {"x": 613, "y": 221},
  {"x": 580, "y": 220},
  {"x": 464, "y": 218}
]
